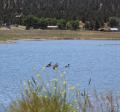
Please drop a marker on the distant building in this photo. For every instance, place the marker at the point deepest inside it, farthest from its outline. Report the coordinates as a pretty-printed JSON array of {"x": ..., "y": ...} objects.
[
  {"x": 107, "y": 28},
  {"x": 114, "y": 29},
  {"x": 52, "y": 27}
]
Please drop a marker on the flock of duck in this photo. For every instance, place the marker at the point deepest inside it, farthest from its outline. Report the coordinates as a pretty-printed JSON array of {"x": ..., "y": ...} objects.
[{"x": 55, "y": 66}]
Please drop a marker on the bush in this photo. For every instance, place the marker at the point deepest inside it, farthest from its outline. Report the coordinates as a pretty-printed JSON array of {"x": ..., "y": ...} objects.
[
  {"x": 31, "y": 21},
  {"x": 43, "y": 96},
  {"x": 93, "y": 24},
  {"x": 35, "y": 22},
  {"x": 43, "y": 23},
  {"x": 61, "y": 24},
  {"x": 51, "y": 21},
  {"x": 97, "y": 25},
  {"x": 73, "y": 25},
  {"x": 113, "y": 23},
  {"x": 89, "y": 25},
  {"x": 53, "y": 96}
]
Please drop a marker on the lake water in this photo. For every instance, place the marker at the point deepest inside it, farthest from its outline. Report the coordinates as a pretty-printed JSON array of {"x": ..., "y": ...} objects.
[{"x": 98, "y": 60}]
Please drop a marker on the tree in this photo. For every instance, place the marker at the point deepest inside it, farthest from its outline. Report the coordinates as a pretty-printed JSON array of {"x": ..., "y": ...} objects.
[
  {"x": 61, "y": 24},
  {"x": 84, "y": 10},
  {"x": 90, "y": 25},
  {"x": 113, "y": 23},
  {"x": 43, "y": 23},
  {"x": 31, "y": 21},
  {"x": 98, "y": 23},
  {"x": 73, "y": 25},
  {"x": 35, "y": 22},
  {"x": 51, "y": 21}
]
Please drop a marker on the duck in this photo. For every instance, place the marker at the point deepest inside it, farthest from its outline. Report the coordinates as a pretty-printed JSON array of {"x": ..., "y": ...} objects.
[
  {"x": 67, "y": 66},
  {"x": 55, "y": 66},
  {"x": 49, "y": 65}
]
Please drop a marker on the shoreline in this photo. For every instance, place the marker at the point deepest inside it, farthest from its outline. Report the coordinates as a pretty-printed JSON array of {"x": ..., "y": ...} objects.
[
  {"x": 12, "y": 36},
  {"x": 15, "y": 40}
]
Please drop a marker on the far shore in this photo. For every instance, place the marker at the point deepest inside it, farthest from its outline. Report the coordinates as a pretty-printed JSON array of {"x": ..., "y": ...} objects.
[{"x": 10, "y": 36}]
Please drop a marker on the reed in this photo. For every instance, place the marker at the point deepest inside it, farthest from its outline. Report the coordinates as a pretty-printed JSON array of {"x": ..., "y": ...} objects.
[{"x": 58, "y": 96}]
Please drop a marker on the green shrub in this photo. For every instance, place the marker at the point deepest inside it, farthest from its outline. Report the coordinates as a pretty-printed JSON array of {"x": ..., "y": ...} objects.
[
  {"x": 35, "y": 22},
  {"x": 51, "y": 21},
  {"x": 73, "y": 25},
  {"x": 43, "y": 96},
  {"x": 89, "y": 25},
  {"x": 31, "y": 21},
  {"x": 43, "y": 23},
  {"x": 69, "y": 25},
  {"x": 27, "y": 22},
  {"x": 53, "y": 96},
  {"x": 61, "y": 24},
  {"x": 113, "y": 23},
  {"x": 97, "y": 25}
]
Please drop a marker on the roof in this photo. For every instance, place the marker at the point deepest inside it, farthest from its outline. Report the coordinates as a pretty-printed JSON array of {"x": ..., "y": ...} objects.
[
  {"x": 52, "y": 26},
  {"x": 114, "y": 29}
]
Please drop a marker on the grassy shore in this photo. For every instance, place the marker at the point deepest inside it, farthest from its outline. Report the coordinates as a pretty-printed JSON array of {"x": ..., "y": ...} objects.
[{"x": 16, "y": 34}]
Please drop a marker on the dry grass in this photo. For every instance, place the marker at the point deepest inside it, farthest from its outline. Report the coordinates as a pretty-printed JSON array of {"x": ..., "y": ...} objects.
[
  {"x": 16, "y": 34},
  {"x": 52, "y": 96},
  {"x": 43, "y": 96}
]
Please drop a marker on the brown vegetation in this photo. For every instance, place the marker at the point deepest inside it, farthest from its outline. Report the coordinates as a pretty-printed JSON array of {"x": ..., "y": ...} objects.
[{"x": 17, "y": 33}]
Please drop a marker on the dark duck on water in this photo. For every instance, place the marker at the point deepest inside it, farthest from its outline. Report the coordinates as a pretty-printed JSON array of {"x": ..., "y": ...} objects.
[
  {"x": 67, "y": 66},
  {"x": 49, "y": 65},
  {"x": 55, "y": 66}
]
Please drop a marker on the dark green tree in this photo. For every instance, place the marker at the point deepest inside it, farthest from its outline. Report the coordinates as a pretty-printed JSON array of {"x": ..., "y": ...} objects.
[
  {"x": 61, "y": 24},
  {"x": 73, "y": 25},
  {"x": 113, "y": 23},
  {"x": 85, "y": 10}
]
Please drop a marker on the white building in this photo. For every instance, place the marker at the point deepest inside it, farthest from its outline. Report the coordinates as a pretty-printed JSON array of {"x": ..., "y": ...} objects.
[
  {"x": 114, "y": 29},
  {"x": 52, "y": 27}
]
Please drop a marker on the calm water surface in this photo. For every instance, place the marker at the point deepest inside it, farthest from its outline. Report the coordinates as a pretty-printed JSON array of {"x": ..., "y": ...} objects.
[{"x": 98, "y": 60}]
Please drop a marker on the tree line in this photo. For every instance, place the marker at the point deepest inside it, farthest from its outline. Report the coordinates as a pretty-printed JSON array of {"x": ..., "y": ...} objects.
[
  {"x": 42, "y": 23},
  {"x": 95, "y": 11}
]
